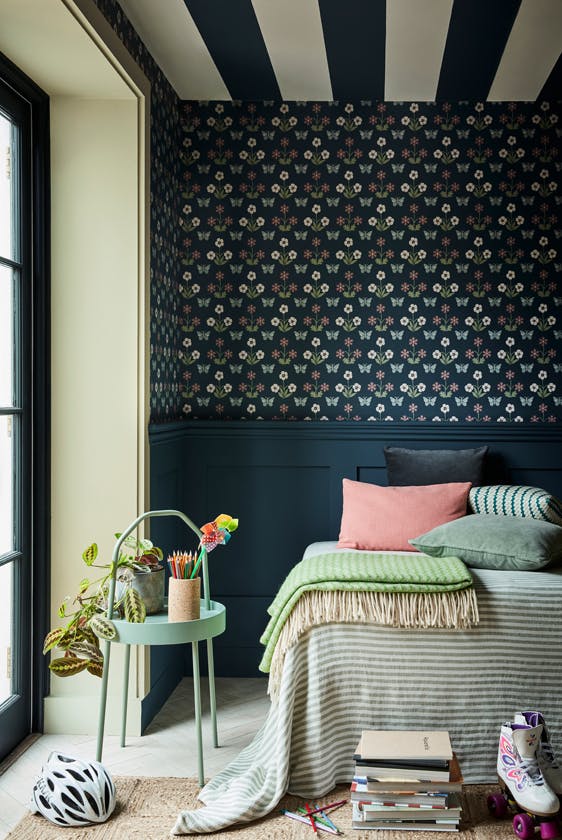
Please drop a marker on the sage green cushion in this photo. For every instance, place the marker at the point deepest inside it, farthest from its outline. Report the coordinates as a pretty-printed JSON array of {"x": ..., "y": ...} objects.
[{"x": 495, "y": 542}]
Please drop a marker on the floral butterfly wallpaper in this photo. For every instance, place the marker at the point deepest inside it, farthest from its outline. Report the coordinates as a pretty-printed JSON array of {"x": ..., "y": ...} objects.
[{"x": 371, "y": 261}]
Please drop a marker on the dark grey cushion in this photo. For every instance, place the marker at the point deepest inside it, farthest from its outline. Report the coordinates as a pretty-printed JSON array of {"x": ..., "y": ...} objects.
[
  {"x": 486, "y": 541},
  {"x": 434, "y": 466}
]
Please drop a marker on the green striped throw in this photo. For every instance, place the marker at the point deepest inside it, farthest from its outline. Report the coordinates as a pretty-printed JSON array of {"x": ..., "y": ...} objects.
[{"x": 516, "y": 500}]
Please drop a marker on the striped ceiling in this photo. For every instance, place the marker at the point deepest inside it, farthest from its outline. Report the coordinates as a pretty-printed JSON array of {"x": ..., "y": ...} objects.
[{"x": 323, "y": 50}]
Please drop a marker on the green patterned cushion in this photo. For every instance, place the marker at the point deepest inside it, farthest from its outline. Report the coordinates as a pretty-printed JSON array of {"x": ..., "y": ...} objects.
[{"x": 516, "y": 500}]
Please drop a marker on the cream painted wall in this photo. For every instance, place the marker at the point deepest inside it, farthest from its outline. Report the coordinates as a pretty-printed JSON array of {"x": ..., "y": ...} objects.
[{"x": 94, "y": 394}]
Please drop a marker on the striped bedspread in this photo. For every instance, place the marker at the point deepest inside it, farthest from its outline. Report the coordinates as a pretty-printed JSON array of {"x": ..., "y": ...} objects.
[{"x": 342, "y": 678}]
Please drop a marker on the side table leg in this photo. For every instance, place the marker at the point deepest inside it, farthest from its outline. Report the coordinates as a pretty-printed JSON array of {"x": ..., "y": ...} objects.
[
  {"x": 103, "y": 700},
  {"x": 197, "y": 701},
  {"x": 125, "y": 694},
  {"x": 212, "y": 694}
]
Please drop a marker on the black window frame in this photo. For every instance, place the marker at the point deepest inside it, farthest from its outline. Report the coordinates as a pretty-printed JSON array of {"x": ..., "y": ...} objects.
[{"x": 34, "y": 503}]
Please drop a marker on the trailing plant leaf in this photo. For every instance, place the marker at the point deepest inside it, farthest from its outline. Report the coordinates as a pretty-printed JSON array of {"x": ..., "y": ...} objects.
[
  {"x": 87, "y": 650},
  {"x": 90, "y": 554},
  {"x": 84, "y": 584},
  {"x": 95, "y": 668},
  {"x": 67, "y": 666},
  {"x": 53, "y": 639},
  {"x": 103, "y": 627},
  {"x": 134, "y": 607}
]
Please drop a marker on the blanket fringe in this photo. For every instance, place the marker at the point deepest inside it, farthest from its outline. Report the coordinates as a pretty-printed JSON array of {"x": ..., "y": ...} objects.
[{"x": 457, "y": 609}]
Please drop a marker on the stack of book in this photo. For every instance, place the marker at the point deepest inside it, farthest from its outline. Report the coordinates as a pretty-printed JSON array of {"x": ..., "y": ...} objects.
[{"x": 406, "y": 780}]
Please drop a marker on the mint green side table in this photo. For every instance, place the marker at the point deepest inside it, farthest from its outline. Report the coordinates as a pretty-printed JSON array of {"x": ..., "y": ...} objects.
[{"x": 157, "y": 630}]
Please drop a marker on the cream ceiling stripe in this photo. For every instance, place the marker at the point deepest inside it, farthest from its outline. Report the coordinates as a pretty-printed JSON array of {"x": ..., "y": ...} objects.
[
  {"x": 168, "y": 31},
  {"x": 531, "y": 51},
  {"x": 416, "y": 33},
  {"x": 292, "y": 31}
]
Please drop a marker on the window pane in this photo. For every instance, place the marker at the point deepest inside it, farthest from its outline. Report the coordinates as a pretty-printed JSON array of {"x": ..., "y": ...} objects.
[
  {"x": 7, "y": 244},
  {"x": 6, "y": 631},
  {"x": 6, "y": 337},
  {"x": 6, "y": 484}
]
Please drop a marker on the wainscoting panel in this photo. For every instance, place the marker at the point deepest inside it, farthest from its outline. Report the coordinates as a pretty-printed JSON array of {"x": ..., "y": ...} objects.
[{"x": 283, "y": 481}]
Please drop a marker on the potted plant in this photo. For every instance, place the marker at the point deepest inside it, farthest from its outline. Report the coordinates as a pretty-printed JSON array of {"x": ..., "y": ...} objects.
[{"x": 79, "y": 638}]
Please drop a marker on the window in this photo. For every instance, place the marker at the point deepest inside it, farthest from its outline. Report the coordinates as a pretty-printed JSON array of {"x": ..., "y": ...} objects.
[{"x": 23, "y": 402}]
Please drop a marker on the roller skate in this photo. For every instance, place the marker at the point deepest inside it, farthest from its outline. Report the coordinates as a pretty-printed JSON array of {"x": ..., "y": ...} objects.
[
  {"x": 549, "y": 764},
  {"x": 524, "y": 789}
]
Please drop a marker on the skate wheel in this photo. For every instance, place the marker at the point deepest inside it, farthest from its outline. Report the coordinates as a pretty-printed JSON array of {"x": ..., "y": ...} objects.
[
  {"x": 549, "y": 830},
  {"x": 497, "y": 805},
  {"x": 524, "y": 826}
]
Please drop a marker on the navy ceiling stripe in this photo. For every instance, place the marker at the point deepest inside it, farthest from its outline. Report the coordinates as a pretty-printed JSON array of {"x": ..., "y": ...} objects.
[
  {"x": 478, "y": 32},
  {"x": 552, "y": 88},
  {"x": 354, "y": 34},
  {"x": 233, "y": 37}
]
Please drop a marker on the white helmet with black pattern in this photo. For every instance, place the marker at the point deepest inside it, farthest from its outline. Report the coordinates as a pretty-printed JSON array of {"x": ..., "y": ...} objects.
[{"x": 71, "y": 791}]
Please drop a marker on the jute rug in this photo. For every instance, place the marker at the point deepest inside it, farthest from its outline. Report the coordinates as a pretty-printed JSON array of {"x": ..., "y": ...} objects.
[{"x": 147, "y": 809}]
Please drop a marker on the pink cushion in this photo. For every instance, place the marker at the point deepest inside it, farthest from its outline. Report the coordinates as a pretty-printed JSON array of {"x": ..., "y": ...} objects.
[{"x": 385, "y": 518}]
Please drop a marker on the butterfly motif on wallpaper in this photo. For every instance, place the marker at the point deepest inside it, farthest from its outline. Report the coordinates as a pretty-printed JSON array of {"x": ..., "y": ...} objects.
[
  {"x": 529, "y": 368},
  {"x": 461, "y": 400},
  {"x": 301, "y": 168},
  {"x": 333, "y": 134},
  {"x": 301, "y": 135},
  {"x": 428, "y": 368},
  {"x": 301, "y": 336},
  {"x": 429, "y": 400},
  {"x": 397, "y": 200},
  {"x": 301, "y": 301},
  {"x": 268, "y": 202},
  {"x": 396, "y": 400},
  {"x": 365, "y": 234},
  {"x": 236, "y": 303},
  {"x": 235, "y": 335},
  {"x": 236, "y": 235},
  {"x": 461, "y": 368},
  {"x": 365, "y": 400},
  {"x": 203, "y": 202},
  {"x": 461, "y": 335},
  {"x": 429, "y": 302},
  {"x": 462, "y": 201},
  {"x": 300, "y": 401},
  {"x": 365, "y": 168},
  {"x": 332, "y": 401},
  {"x": 203, "y": 368},
  {"x": 526, "y": 334},
  {"x": 301, "y": 269},
  {"x": 397, "y": 335},
  {"x": 430, "y": 200},
  {"x": 397, "y": 368},
  {"x": 526, "y": 400},
  {"x": 236, "y": 202},
  {"x": 332, "y": 368},
  {"x": 267, "y": 168},
  {"x": 301, "y": 202},
  {"x": 332, "y": 301},
  {"x": 235, "y": 369},
  {"x": 430, "y": 234},
  {"x": 461, "y": 301},
  {"x": 301, "y": 235},
  {"x": 365, "y": 335},
  {"x": 365, "y": 302},
  {"x": 430, "y": 168},
  {"x": 494, "y": 334},
  {"x": 365, "y": 200},
  {"x": 494, "y": 400},
  {"x": 364, "y": 368},
  {"x": 365, "y": 134},
  {"x": 429, "y": 335},
  {"x": 332, "y": 335},
  {"x": 397, "y": 234},
  {"x": 365, "y": 268},
  {"x": 494, "y": 368}
]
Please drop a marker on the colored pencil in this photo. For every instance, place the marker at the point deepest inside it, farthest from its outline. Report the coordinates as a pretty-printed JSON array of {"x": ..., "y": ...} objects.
[
  {"x": 310, "y": 817},
  {"x": 303, "y": 819},
  {"x": 330, "y": 807}
]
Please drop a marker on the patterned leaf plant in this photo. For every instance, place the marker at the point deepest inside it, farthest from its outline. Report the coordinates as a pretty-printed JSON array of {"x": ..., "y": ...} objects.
[{"x": 79, "y": 638}]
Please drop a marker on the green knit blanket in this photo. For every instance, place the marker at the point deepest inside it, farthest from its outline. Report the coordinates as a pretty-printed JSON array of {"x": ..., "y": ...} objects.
[{"x": 402, "y": 590}]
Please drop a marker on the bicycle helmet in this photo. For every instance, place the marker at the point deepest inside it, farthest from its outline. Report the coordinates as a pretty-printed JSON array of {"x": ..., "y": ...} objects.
[{"x": 70, "y": 791}]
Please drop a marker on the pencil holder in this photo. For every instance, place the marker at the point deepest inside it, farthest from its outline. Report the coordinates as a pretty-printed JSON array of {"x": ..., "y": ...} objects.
[{"x": 184, "y": 599}]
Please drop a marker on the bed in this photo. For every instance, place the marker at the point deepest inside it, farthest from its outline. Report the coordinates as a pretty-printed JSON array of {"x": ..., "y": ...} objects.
[{"x": 341, "y": 677}]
